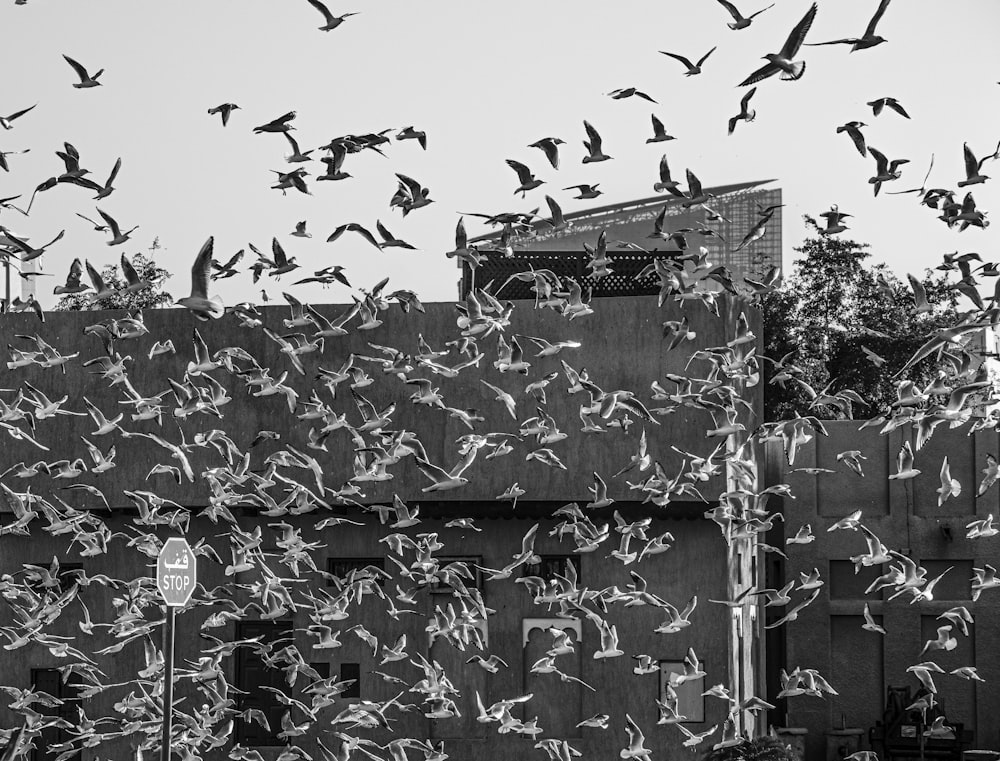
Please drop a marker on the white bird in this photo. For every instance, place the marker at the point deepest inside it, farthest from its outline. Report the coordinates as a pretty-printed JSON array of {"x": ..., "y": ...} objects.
[
  {"x": 869, "y": 624},
  {"x": 949, "y": 487},
  {"x": 491, "y": 664},
  {"x": 904, "y": 464},
  {"x": 782, "y": 61},
  {"x": 636, "y": 741},
  {"x": 444, "y": 480},
  {"x": 199, "y": 303}
]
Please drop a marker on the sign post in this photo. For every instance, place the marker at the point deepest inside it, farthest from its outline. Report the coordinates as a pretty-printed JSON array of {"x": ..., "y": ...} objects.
[{"x": 176, "y": 574}]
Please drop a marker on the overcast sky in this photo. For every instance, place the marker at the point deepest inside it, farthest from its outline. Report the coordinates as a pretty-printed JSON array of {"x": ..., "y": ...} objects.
[{"x": 483, "y": 80}]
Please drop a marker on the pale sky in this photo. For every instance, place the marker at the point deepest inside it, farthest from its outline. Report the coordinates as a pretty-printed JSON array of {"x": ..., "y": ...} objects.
[{"x": 483, "y": 80}]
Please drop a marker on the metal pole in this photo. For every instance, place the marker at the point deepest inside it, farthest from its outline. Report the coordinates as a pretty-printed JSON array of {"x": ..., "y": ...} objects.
[{"x": 168, "y": 683}]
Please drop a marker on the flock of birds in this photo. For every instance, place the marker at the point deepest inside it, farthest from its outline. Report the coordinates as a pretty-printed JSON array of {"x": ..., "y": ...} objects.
[{"x": 295, "y": 480}]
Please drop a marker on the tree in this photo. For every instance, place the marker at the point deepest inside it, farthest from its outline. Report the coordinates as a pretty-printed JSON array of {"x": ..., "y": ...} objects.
[
  {"x": 846, "y": 326},
  {"x": 148, "y": 298},
  {"x": 765, "y": 748}
]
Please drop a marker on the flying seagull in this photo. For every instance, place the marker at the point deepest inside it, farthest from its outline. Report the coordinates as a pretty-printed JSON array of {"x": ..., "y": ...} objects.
[
  {"x": 525, "y": 177},
  {"x": 746, "y": 113},
  {"x": 550, "y": 147},
  {"x": 6, "y": 121},
  {"x": 281, "y": 124},
  {"x": 86, "y": 79},
  {"x": 692, "y": 68},
  {"x": 853, "y": 129},
  {"x": 666, "y": 183},
  {"x": 628, "y": 92},
  {"x": 739, "y": 20},
  {"x": 223, "y": 110},
  {"x": 974, "y": 166},
  {"x": 782, "y": 60},
  {"x": 203, "y": 307},
  {"x": 880, "y": 103},
  {"x": 332, "y": 22},
  {"x": 659, "y": 132},
  {"x": 885, "y": 170},
  {"x": 869, "y": 39},
  {"x": 593, "y": 145},
  {"x": 73, "y": 284}
]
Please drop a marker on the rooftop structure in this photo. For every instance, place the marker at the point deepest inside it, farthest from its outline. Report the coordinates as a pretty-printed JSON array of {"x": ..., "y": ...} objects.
[{"x": 719, "y": 226}]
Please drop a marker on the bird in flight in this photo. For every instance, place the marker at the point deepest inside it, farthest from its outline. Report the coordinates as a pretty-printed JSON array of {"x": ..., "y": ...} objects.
[
  {"x": 666, "y": 183},
  {"x": 331, "y": 21},
  {"x": 746, "y": 113},
  {"x": 885, "y": 170},
  {"x": 117, "y": 236},
  {"x": 525, "y": 177},
  {"x": 782, "y": 60},
  {"x": 86, "y": 79},
  {"x": 833, "y": 223},
  {"x": 585, "y": 192},
  {"x": 409, "y": 133},
  {"x": 974, "y": 166},
  {"x": 281, "y": 124},
  {"x": 659, "y": 132},
  {"x": 72, "y": 284},
  {"x": 692, "y": 68},
  {"x": 879, "y": 103},
  {"x": 629, "y": 92},
  {"x": 593, "y": 145},
  {"x": 7, "y": 121},
  {"x": 550, "y": 147},
  {"x": 3, "y": 158},
  {"x": 739, "y": 20},
  {"x": 201, "y": 305},
  {"x": 867, "y": 40},
  {"x": 853, "y": 130},
  {"x": 224, "y": 110}
]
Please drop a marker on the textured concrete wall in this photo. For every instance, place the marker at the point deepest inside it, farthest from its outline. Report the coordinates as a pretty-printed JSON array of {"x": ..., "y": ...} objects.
[
  {"x": 622, "y": 348},
  {"x": 695, "y": 565},
  {"x": 905, "y": 515}
]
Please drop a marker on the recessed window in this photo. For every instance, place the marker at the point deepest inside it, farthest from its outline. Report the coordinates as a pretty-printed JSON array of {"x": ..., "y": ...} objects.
[
  {"x": 956, "y": 584},
  {"x": 40, "y": 575},
  {"x": 550, "y": 565},
  {"x": 464, "y": 567},
  {"x": 356, "y": 569},
  {"x": 845, "y": 584},
  {"x": 251, "y": 675},
  {"x": 47, "y": 746},
  {"x": 690, "y": 701},
  {"x": 351, "y": 671}
]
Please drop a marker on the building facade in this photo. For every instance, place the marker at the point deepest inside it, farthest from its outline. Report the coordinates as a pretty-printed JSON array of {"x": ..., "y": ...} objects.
[
  {"x": 908, "y": 517},
  {"x": 310, "y": 572}
]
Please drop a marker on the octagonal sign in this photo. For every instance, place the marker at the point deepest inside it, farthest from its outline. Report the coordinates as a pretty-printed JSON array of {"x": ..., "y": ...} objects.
[{"x": 176, "y": 572}]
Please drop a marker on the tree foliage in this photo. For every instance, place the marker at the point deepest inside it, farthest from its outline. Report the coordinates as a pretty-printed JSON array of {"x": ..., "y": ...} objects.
[
  {"x": 150, "y": 298},
  {"x": 765, "y": 748},
  {"x": 831, "y": 310}
]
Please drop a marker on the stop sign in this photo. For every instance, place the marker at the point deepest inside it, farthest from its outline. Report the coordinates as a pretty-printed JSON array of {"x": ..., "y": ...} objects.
[{"x": 176, "y": 572}]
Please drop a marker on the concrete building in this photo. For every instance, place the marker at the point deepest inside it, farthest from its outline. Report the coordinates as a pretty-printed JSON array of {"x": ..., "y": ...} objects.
[
  {"x": 621, "y": 347},
  {"x": 14, "y": 286},
  {"x": 731, "y": 213},
  {"x": 906, "y": 516}
]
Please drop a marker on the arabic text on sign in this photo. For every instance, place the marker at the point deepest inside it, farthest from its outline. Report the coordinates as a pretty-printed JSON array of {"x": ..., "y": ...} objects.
[{"x": 180, "y": 562}]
